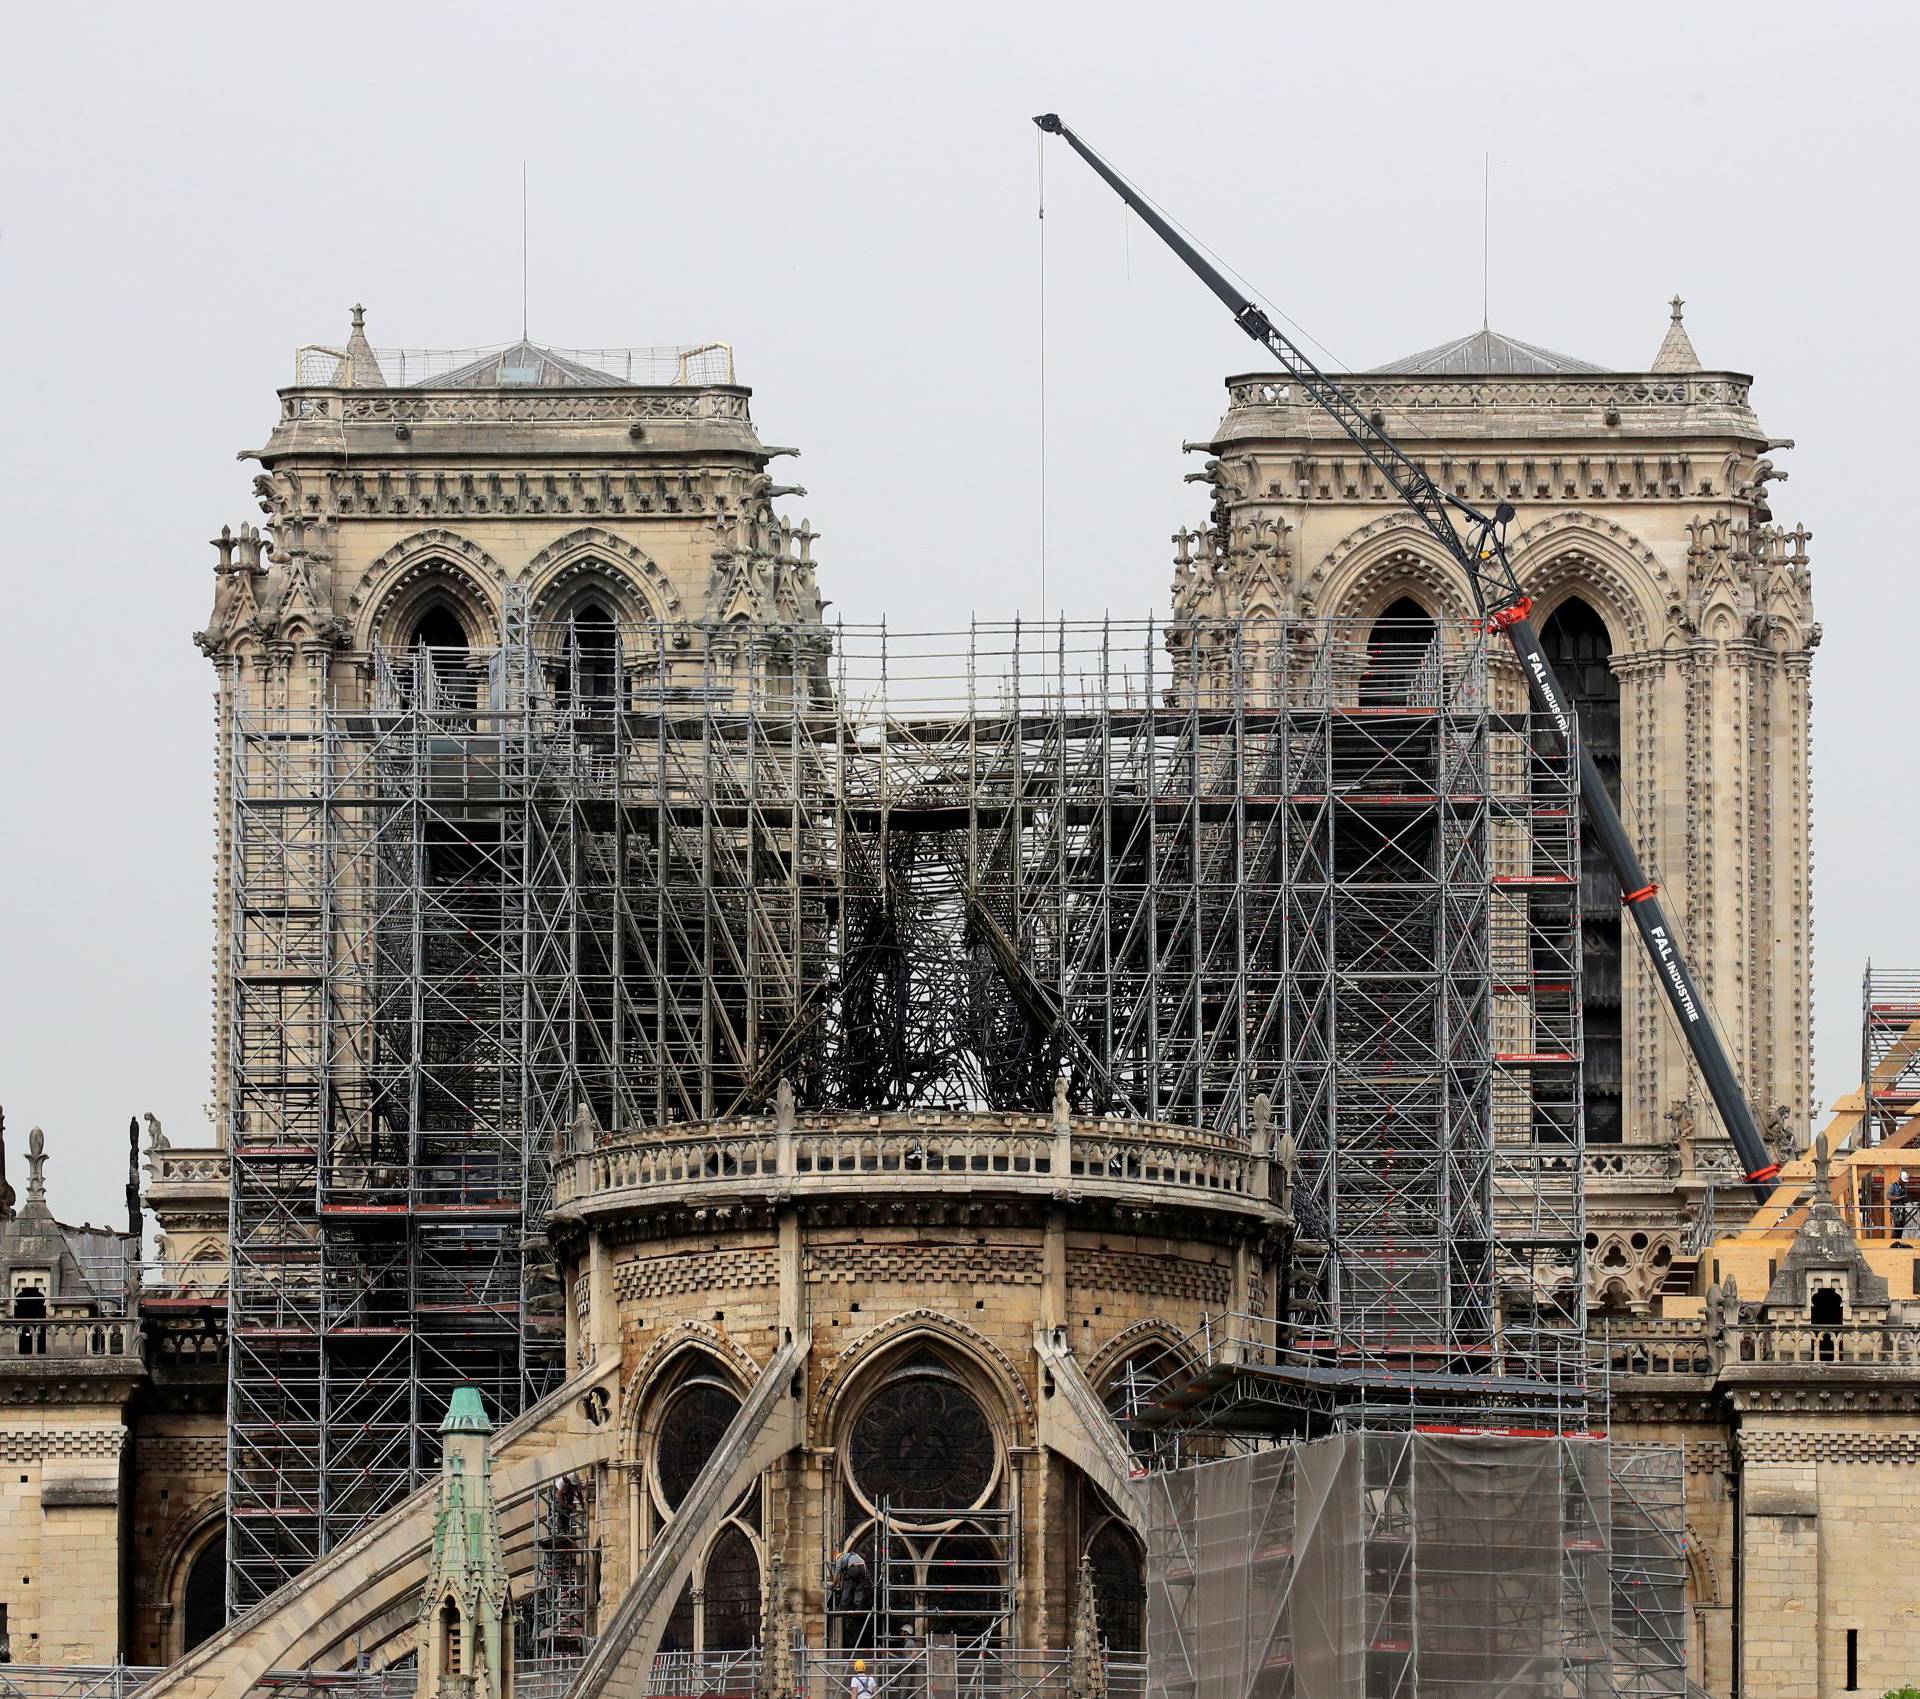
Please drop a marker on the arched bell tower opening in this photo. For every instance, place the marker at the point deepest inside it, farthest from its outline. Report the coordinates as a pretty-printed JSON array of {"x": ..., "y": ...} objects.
[
  {"x": 1396, "y": 646},
  {"x": 1579, "y": 648}
]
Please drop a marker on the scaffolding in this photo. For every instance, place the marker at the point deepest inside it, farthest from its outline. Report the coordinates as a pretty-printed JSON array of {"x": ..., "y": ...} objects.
[
  {"x": 478, "y": 893},
  {"x": 1889, "y": 1051},
  {"x": 1395, "y": 1564}
]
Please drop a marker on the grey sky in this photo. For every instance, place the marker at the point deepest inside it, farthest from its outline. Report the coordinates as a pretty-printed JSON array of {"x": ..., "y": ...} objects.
[{"x": 848, "y": 196}]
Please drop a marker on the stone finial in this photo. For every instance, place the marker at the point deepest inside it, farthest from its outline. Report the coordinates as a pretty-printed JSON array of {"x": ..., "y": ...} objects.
[
  {"x": 6, "y": 1191},
  {"x": 779, "y": 1676},
  {"x": 1087, "y": 1663},
  {"x": 1263, "y": 1124},
  {"x": 783, "y": 1105},
  {"x": 1676, "y": 351},
  {"x": 584, "y": 1130},
  {"x": 465, "y": 1633},
  {"x": 36, "y": 1166},
  {"x": 1822, "y": 1168},
  {"x": 1062, "y": 1109},
  {"x": 360, "y": 368},
  {"x": 1288, "y": 1157}
]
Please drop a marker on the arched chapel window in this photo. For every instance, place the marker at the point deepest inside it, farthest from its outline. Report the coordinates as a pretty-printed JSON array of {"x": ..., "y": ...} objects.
[
  {"x": 203, "y": 1605},
  {"x": 719, "y": 1607},
  {"x": 925, "y": 1506},
  {"x": 1119, "y": 1586}
]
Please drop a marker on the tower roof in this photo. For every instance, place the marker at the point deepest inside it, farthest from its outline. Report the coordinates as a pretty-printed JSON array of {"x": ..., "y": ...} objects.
[
  {"x": 1486, "y": 353},
  {"x": 524, "y": 365},
  {"x": 465, "y": 1413},
  {"x": 1676, "y": 349}
]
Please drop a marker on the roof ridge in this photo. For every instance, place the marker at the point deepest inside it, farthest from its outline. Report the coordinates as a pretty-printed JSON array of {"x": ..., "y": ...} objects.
[{"x": 1485, "y": 353}]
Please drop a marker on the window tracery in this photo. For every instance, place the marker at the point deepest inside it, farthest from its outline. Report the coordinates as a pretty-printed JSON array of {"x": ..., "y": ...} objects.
[
  {"x": 924, "y": 1485},
  {"x": 719, "y": 1607}
]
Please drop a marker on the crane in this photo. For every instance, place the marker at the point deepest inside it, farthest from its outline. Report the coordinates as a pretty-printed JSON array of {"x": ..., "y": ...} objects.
[{"x": 1482, "y": 555}]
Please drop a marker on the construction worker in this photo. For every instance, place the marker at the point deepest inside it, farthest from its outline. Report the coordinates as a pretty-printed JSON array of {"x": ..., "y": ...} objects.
[
  {"x": 1902, "y": 1197},
  {"x": 862, "y": 1685}
]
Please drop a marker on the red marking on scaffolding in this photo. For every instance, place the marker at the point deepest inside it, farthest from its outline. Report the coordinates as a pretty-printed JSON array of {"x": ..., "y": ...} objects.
[
  {"x": 1533, "y": 879},
  {"x": 1535, "y": 1058}
]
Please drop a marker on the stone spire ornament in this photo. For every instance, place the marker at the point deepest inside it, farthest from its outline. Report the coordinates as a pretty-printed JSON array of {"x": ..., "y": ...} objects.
[
  {"x": 1676, "y": 352},
  {"x": 6, "y": 1191},
  {"x": 36, "y": 1166},
  {"x": 1087, "y": 1659},
  {"x": 360, "y": 368},
  {"x": 466, "y": 1609}
]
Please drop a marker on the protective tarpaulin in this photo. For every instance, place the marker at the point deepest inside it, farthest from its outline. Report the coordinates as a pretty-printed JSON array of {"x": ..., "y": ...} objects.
[{"x": 1444, "y": 1565}]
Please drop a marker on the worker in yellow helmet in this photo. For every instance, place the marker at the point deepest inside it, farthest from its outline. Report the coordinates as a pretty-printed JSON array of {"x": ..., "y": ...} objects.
[{"x": 862, "y": 1685}]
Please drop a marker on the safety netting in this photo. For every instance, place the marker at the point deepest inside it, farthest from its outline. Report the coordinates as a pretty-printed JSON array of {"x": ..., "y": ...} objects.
[{"x": 1380, "y": 1565}]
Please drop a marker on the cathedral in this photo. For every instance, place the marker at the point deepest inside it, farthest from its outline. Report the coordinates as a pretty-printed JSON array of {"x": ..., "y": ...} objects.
[{"x": 782, "y": 1149}]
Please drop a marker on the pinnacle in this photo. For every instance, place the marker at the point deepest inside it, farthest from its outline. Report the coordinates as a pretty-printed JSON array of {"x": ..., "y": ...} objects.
[{"x": 1676, "y": 351}]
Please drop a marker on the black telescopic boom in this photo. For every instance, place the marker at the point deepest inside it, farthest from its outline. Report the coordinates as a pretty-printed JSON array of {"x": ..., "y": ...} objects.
[{"x": 1506, "y": 607}]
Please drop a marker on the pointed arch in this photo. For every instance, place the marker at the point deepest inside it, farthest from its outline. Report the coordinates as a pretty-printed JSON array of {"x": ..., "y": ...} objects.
[
  {"x": 592, "y": 561},
  {"x": 430, "y": 564},
  {"x": 689, "y": 1337},
  {"x": 930, "y": 1326},
  {"x": 1606, "y": 565}
]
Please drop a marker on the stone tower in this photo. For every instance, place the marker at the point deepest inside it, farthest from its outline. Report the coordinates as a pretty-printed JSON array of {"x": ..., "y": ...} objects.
[
  {"x": 1680, "y": 616},
  {"x": 473, "y": 565},
  {"x": 411, "y": 497},
  {"x": 466, "y": 1622}
]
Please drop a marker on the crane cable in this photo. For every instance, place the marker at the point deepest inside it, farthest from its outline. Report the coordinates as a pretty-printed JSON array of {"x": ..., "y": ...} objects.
[{"x": 1040, "y": 167}]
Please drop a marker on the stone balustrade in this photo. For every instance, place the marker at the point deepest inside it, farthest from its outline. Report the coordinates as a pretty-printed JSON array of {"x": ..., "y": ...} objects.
[
  {"x": 188, "y": 1169},
  {"x": 916, "y": 1151},
  {"x": 70, "y": 1339},
  {"x": 1888, "y": 1344},
  {"x": 202, "y": 1277},
  {"x": 1651, "y": 1345},
  {"x": 1645, "y": 1346}
]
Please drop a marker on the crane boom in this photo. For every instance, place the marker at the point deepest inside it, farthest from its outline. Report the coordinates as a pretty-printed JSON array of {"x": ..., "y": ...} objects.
[{"x": 1482, "y": 556}]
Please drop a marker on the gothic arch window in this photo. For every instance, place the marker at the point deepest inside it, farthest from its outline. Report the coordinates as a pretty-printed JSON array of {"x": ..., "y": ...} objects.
[
  {"x": 593, "y": 657},
  {"x": 1397, "y": 646},
  {"x": 439, "y": 661},
  {"x": 450, "y": 1638},
  {"x": 924, "y": 1494},
  {"x": 203, "y": 1596},
  {"x": 1119, "y": 1585},
  {"x": 719, "y": 1607},
  {"x": 1579, "y": 648},
  {"x": 1131, "y": 1385},
  {"x": 437, "y": 626}
]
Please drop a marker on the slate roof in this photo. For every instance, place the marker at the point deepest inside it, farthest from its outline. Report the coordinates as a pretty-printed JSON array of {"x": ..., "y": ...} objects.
[{"x": 1486, "y": 353}]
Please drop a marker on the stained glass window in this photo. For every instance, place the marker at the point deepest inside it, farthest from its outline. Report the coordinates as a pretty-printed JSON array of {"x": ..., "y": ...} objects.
[
  {"x": 690, "y": 1430},
  {"x": 924, "y": 1442}
]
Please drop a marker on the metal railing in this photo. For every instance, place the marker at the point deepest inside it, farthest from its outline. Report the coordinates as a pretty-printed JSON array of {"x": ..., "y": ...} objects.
[
  {"x": 125, "y": 1681},
  {"x": 1001, "y": 1673},
  {"x": 686, "y": 1675},
  {"x": 426, "y": 368}
]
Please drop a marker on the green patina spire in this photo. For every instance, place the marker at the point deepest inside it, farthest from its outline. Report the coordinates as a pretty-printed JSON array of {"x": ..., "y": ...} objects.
[{"x": 466, "y": 1414}]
